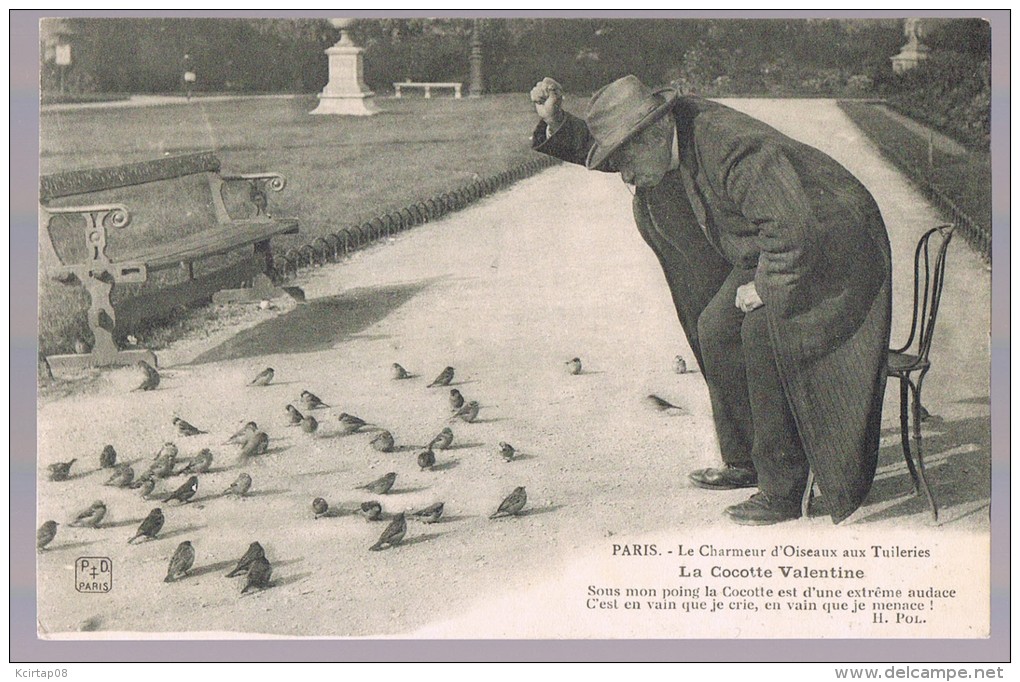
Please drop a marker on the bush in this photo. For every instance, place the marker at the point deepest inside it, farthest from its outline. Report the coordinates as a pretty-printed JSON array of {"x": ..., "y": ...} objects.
[{"x": 950, "y": 91}]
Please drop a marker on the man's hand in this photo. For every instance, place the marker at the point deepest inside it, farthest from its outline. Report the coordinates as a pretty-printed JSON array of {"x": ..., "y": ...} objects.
[
  {"x": 748, "y": 298},
  {"x": 548, "y": 98}
]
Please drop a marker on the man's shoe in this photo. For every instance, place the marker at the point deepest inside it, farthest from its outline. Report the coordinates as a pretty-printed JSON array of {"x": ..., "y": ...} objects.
[
  {"x": 727, "y": 478},
  {"x": 761, "y": 510}
]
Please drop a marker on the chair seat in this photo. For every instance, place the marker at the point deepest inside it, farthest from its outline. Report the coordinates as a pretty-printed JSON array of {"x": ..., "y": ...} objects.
[{"x": 904, "y": 362}]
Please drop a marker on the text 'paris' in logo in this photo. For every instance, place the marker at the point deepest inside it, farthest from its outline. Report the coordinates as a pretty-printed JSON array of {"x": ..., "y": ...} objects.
[{"x": 93, "y": 574}]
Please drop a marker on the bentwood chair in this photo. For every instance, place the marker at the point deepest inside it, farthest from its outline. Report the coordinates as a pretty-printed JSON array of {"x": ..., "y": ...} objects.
[{"x": 911, "y": 358}]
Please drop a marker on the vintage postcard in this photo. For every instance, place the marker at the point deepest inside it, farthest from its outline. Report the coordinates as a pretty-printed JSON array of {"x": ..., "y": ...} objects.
[{"x": 342, "y": 333}]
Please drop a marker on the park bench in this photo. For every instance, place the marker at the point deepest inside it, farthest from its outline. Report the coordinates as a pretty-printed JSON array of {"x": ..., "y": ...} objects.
[
  {"x": 427, "y": 87},
  {"x": 203, "y": 230}
]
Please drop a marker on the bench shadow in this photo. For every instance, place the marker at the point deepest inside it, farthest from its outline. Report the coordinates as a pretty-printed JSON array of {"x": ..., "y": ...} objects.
[{"x": 317, "y": 326}]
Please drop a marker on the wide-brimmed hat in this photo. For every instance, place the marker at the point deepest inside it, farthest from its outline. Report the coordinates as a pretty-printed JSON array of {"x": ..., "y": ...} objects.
[{"x": 621, "y": 110}]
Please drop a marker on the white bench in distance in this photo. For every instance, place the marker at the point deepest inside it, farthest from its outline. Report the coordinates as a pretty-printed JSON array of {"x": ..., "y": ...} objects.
[{"x": 427, "y": 87}]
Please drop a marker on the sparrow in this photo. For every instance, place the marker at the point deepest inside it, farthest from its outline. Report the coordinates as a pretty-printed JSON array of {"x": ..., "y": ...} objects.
[
  {"x": 660, "y": 404},
  {"x": 320, "y": 507},
  {"x": 513, "y": 503},
  {"x": 426, "y": 459},
  {"x": 150, "y": 380},
  {"x": 371, "y": 510},
  {"x": 122, "y": 476},
  {"x": 199, "y": 464},
  {"x": 150, "y": 525},
  {"x": 240, "y": 486},
  {"x": 469, "y": 412},
  {"x": 45, "y": 534},
  {"x": 263, "y": 378},
  {"x": 430, "y": 514},
  {"x": 311, "y": 401},
  {"x": 185, "y": 492},
  {"x": 253, "y": 553},
  {"x": 444, "y": 378},
  {"x": 456, "y": 399},
  {"x": 163, "y": 467},
  {"x": 257, "y": 444},
  {"x": 61, "y": 470},
  {"x": 399, "y": 372},
  {"x": 507, "y": 451},
  {"x": 81, "y": 348},
  {"x": 108, "y": 457},
  {"x": 442, "y": 441},
  {"x": 90, "y": 516},
  {"x": 393, "y": 534},
  {"x": 309, "y": 424},
  {"x": 380, "y": 486},
  {"x": 349, "y": 423},
  {"x": 168, "y": 450},
  {"x": 242, "y": 435},
  {"x": 146, "y": 487},
  {"x": 186, "y": 429},
  {"x": 383, "y": 442},
  {"x": 680, "y": 365},
  {"x": 181, "y": 562},
  {"x": 294, "y": 417},
  {"x": 257, "y": 196},
  {"x": 574, "y": 366},
  {"x": 258, "y": 575}
]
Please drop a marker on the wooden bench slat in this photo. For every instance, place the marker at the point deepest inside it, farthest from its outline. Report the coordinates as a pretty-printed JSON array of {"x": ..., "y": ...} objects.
[
  {"x": 70, "y": 183},
  {"x": 212, "y": 242}
]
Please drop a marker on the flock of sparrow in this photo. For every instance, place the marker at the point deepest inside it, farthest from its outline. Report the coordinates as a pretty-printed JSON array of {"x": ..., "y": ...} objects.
[{"x": 253, "y": 442}]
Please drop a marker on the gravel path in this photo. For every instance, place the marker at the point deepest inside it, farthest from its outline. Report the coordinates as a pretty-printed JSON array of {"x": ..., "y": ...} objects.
[{"x": 505, "y": 291}]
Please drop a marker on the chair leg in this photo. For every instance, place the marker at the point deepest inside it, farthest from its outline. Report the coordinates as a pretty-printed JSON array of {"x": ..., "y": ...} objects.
[
  {"x": 920, "y": 456},
  {"x": 809, "y": 493},
  {"x": 905, "y": 434}
]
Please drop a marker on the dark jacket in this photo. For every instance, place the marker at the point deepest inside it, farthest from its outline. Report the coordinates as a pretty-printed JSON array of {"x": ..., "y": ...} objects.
[{"x": 747, "y": 196}]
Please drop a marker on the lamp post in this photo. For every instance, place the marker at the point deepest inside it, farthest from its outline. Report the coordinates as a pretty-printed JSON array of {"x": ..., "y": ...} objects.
[
  {"x": 477, "y": 86},
  {"x": 345, "y": 94}
]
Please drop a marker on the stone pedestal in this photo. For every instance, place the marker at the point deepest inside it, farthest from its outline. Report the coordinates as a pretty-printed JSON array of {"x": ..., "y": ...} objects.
[
  {"x": 345, "y": 94},
  {"x": 914, "y": 52}
]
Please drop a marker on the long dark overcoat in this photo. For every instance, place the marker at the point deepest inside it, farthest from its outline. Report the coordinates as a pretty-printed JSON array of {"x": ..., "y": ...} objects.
[{"x": 747, "y": 196}]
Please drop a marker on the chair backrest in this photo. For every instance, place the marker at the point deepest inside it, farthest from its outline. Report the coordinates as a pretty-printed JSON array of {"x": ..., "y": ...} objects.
[{"x": 929, "y": 276}]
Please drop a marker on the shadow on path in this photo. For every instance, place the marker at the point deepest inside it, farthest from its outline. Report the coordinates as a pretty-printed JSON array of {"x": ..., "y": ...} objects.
[
  {"x": 957, "y": 458},
  {"x": 317, "y": 326}
]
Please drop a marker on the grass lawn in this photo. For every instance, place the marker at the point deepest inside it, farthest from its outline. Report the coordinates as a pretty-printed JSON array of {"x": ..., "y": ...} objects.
[
  {"x": 965, "y": 179},
  {"x": 340, "y": 170}
]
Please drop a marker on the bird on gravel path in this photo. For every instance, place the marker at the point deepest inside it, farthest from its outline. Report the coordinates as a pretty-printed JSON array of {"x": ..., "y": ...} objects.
[
  {"x": 150, "y": 376},
  {"x": 393, "y": 534},
  {"x": 513, "y": 504}
]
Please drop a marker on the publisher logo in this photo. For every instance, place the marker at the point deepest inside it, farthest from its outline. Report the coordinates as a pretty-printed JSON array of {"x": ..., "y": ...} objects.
[{"x": 93, "y": 574}]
